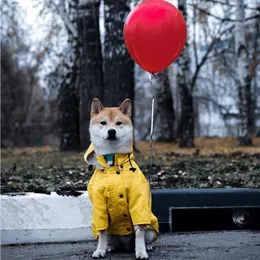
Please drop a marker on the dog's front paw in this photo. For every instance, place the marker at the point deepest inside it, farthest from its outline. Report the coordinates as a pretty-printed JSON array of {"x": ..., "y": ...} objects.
[
  {"x": 141, "y": 255},
  {"x": 149, "y": 247},
  {"x": 99, "y": 254}
]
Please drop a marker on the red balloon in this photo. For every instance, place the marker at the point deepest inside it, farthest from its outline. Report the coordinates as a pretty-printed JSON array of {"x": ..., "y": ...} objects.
[{"x": 155, "y": 34}]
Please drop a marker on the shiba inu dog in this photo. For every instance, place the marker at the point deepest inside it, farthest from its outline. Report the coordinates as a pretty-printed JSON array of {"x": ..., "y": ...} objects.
[{"x": 118, "y": 190}]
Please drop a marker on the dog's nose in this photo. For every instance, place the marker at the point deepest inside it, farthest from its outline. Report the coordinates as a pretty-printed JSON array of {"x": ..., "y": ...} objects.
[{"x": 111, "y": 133}]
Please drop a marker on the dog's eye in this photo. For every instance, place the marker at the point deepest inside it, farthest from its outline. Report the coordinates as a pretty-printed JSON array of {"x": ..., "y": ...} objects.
[
  {"x": 118, "y": 123},
  {"x": 103, "y": 122}
]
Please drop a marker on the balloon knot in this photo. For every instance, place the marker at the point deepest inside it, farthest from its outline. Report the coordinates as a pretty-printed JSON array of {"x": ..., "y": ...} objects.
[{"x": 152, "y": 76}]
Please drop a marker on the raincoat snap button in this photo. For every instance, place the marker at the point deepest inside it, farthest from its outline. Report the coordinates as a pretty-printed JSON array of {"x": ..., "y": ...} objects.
[
  {"x": 117, "y": 172},
  {"x": 125, "y": 215},
  {"x": 122, "y": 166},
  {"x": 121, "y": 196},
  {"x": 128, "y": 229}
]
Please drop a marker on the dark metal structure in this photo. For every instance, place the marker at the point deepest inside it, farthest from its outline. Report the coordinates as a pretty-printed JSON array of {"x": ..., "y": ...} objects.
[{"x": 205, "y": 209}]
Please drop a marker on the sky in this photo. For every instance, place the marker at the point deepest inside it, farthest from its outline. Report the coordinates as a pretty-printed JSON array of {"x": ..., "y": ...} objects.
[
  {"x": 27, "y": 5},
  {"x": 32, "y": 19}
]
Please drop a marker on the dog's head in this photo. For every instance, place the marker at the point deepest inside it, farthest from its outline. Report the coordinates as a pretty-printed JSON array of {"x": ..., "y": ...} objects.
[{"x": 111, "y": 128}]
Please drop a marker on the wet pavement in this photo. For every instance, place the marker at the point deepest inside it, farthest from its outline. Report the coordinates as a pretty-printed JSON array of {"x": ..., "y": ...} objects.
[{"x": 223, "y": 245}]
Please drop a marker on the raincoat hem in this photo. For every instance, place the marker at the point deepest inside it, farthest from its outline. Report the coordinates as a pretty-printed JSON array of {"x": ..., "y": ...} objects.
[{"x": 100, "y": 229}]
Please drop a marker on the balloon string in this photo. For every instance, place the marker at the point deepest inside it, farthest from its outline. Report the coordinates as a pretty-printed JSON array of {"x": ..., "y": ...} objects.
[{"x": 152, "y": 76}]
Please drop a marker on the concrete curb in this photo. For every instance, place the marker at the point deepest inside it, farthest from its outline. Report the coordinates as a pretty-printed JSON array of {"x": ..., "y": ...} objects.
[{"x": 41, "y": 218}]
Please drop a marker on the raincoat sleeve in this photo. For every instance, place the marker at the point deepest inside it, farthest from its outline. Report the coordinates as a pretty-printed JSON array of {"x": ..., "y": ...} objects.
[
  {"x": 140, "y": 201},
  {"x": 99, "y": 211}
]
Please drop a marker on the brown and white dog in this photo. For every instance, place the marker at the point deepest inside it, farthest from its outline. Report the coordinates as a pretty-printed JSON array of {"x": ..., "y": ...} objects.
[{"x": 118, "y": 189}]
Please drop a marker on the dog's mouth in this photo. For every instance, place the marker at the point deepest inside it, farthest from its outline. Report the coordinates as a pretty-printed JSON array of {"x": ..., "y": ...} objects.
[{"x": 111, "y": 139}]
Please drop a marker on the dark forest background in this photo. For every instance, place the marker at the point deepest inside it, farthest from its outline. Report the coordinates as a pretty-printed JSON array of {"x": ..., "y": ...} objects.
[{"x": 47, "y": 85}]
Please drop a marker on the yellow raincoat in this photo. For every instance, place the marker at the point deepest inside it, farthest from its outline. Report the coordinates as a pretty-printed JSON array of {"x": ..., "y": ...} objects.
[{"x": 121, "y": 198}]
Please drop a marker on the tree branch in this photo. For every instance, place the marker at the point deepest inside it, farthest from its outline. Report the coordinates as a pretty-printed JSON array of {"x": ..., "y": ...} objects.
[
  {"x": 223, "y": 19},
  {"x": 203, "y": 60},
  {"x": 228, "y": 4},
  {"x": 216, "y": 55},
  {"x": 209, "y": 99},
  {"x": 225, "y": 115},
  {"x": 70, "y": 27}
]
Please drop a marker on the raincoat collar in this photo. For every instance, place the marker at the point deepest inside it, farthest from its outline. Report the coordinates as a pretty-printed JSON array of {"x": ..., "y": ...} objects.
[
  {"x": 120, "y": 159},
  {"x": 99, "y": 160}
]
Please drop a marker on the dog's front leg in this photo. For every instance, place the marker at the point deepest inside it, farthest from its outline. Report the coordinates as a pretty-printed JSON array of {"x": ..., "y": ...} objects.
[
  {"x": 102, "y": 245},
  {"x": 140, "y": 249}
]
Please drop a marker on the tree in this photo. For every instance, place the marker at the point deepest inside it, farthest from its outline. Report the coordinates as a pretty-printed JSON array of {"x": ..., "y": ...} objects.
[
  {"x": 83, "y": 79},
  {"x": 118, "y": 66},
  {"x": 22, "y": 100},
  {"x": 69, "y": 89},
  {"x": 91, "y": 72},
  {"x": 254, "y": 63},
  {"x": 243, "y": 79},
  {"x": 84, "y": 76},
  {"x": 165, "y": 112},
  {"x": 216, "y": 33},
  {"x": 184, "y": 83},
  {"x": 219, "y": 75}
]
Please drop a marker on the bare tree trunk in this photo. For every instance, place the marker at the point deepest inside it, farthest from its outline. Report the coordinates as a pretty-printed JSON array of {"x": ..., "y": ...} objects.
[
  {"x": 243, "y": 79},
  {"x": 118, "y": 66},
  {"x": 69, "y": 89},
  {"x": 165, "y": 112},
  {"x": 91, "y": 72},
  {"x": 184, "y": 82},
  {"x": 253, "y": 68}
]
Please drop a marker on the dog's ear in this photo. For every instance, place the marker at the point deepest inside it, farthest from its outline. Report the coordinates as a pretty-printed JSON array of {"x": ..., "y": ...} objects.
[
  {"x": 96, "y": 107},
  {"x": 126, "y": 107}
]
